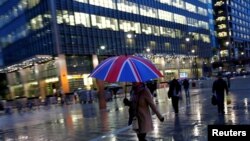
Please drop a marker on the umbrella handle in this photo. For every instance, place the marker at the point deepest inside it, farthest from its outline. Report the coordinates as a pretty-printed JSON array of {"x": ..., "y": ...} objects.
[{"x": 126, "y": 90}]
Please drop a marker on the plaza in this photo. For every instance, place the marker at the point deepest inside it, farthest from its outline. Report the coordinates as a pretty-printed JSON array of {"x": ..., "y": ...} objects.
[{"x": 85, "y": 122}]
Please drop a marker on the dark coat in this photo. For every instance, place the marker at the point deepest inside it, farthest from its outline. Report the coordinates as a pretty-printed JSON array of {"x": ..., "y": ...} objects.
[
  {"x": 185, "y": 84},
  {"x": 219, "y": 88},
  {"x": 174, "y": 84}
]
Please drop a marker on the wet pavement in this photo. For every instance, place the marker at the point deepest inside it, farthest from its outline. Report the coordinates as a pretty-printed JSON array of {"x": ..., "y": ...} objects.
[{"x": 84, "y": 122}]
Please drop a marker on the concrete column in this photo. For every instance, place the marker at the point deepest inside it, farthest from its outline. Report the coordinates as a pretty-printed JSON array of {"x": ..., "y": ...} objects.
[
  {"x": 42, "y": 86},
  {"x": 62, "y": 73},
  {"x": 24, "y": 81},
  {"x": 41, "y": 83},
  {"x": 102, "y": 101},
  {"x": 178, "y": 67},
  {"x": 100, "y": 85},
  {"x": 10, "y": 82}
]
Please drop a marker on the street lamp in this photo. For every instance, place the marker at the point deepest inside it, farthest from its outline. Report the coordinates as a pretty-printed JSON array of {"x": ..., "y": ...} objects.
[
  {"x": 187, "y": 39},
  {"x": 194, "y": 66},
  {"x": 130, "y": 42},
  {"x": 129, "y": 36},
  {"x": 102, "y": 48},
  {"x": 193, "y": 51}
]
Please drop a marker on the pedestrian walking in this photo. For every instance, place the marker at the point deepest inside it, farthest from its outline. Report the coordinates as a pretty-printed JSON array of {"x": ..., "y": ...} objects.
[
  {"x": 130, "y": 110},
  {"x": 1, "y": 106},
  {"x": 186, "y": 87},
  {"x": 174, "y": 93},
  {"x": 142, "y": 102},
  {"x": 76, "y": 96},
  {"x": 152, "y": 86},
  {"x": 61, "y": 96},
  {"x": 228, "y": 81},
  {"x": 219, "y": 88}
]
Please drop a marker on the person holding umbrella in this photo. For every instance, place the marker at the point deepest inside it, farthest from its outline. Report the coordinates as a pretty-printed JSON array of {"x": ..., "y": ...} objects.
[
  {"x": 135, "y": 69},
  {"x": 142, "y": 102}
]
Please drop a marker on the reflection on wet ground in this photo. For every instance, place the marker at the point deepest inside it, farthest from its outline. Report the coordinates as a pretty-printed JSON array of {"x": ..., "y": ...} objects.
[{"x": 84, "y": 122}]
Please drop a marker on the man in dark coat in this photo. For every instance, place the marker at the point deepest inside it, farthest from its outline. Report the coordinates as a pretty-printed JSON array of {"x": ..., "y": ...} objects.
[
  {"x": 174, "y": 93},
  {"x": 219, "y": 88}
]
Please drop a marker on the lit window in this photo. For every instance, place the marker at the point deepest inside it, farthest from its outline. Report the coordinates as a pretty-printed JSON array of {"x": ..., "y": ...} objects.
[
  {"x": 222, "y": 34},
  {"x": 82, "y": 19},
  {"x": 205, "y": 38},
  {"x": 71, "y": 20},
  {"x": 203, "y": 24},
  {"x": 190, "y": 7},
  {"x": 32, "y": 3},
  {"x": 192, "y": 22},
  {"x": 180, "y": 19},
  {"x": 167, "y": 45},
  {"x": 221, "y": 18},
  {"x": 222, "y": 26},
  {"x": 127, "y": 6},
  {"x": 103, "y": 3},
  {"x": 148, "y": 11},
  {"x": 36, "y": 23},
  {"x": 168, "y": 32},
  {"x": 150, "y": 29},
  {"x": 169, "y": 2},
  {"x": 219, "y": 3},
  {"x": 128, "y": 26},
  {"x": 205, "y": 1},
  {"x": 202, "y": 11},
  {"x": 104, "y": 22},
  {"x": 82, "y": 1},
  {"x": 178, "y": 3},
  {"x": 164, "y": 15}
]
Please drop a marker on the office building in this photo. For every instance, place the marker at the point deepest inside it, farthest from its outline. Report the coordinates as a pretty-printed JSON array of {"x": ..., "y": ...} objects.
[
  {"x": 55, "y": 44},
  {"x": 232, "y": 19}
]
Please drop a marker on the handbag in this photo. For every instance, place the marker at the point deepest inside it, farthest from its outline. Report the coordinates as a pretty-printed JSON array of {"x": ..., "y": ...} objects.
[
  {"x": 214, "y": 100},
  {"x": 229, "y": 101},
  {"x": 169, "y": 94},
  {"x": 135, "y": 124}
]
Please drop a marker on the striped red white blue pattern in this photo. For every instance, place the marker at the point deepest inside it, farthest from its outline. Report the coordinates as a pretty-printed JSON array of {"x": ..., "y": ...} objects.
[{"x": 126, "y": 68}]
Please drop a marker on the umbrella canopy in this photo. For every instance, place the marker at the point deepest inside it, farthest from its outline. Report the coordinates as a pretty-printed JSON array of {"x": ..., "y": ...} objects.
[{"x": 126, "y": 68}]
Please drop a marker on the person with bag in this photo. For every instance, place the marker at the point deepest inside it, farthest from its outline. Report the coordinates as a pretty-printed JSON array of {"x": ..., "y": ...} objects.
[
  {"x": 174, "y": 93},
  {"x": 213, "y": 99},
  {"x": 130, "y": 110},
  {"x": 219, "y": 88},
  {"x": 142, "y": 101}
]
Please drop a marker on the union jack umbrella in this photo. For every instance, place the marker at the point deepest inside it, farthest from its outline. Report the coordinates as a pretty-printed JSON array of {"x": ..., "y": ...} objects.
[{"x": 126, "y": 68}]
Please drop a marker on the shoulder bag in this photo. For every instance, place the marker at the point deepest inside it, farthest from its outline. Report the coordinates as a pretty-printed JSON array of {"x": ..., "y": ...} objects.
[
  {"x": 135, "y": 122},
  {"x": 214, "y": 100}
]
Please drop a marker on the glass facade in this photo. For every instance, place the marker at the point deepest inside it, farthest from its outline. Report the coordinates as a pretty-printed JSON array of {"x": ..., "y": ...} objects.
[
  {"x": 78, "y": 28},
  {"x": 232, "y": 25}
]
